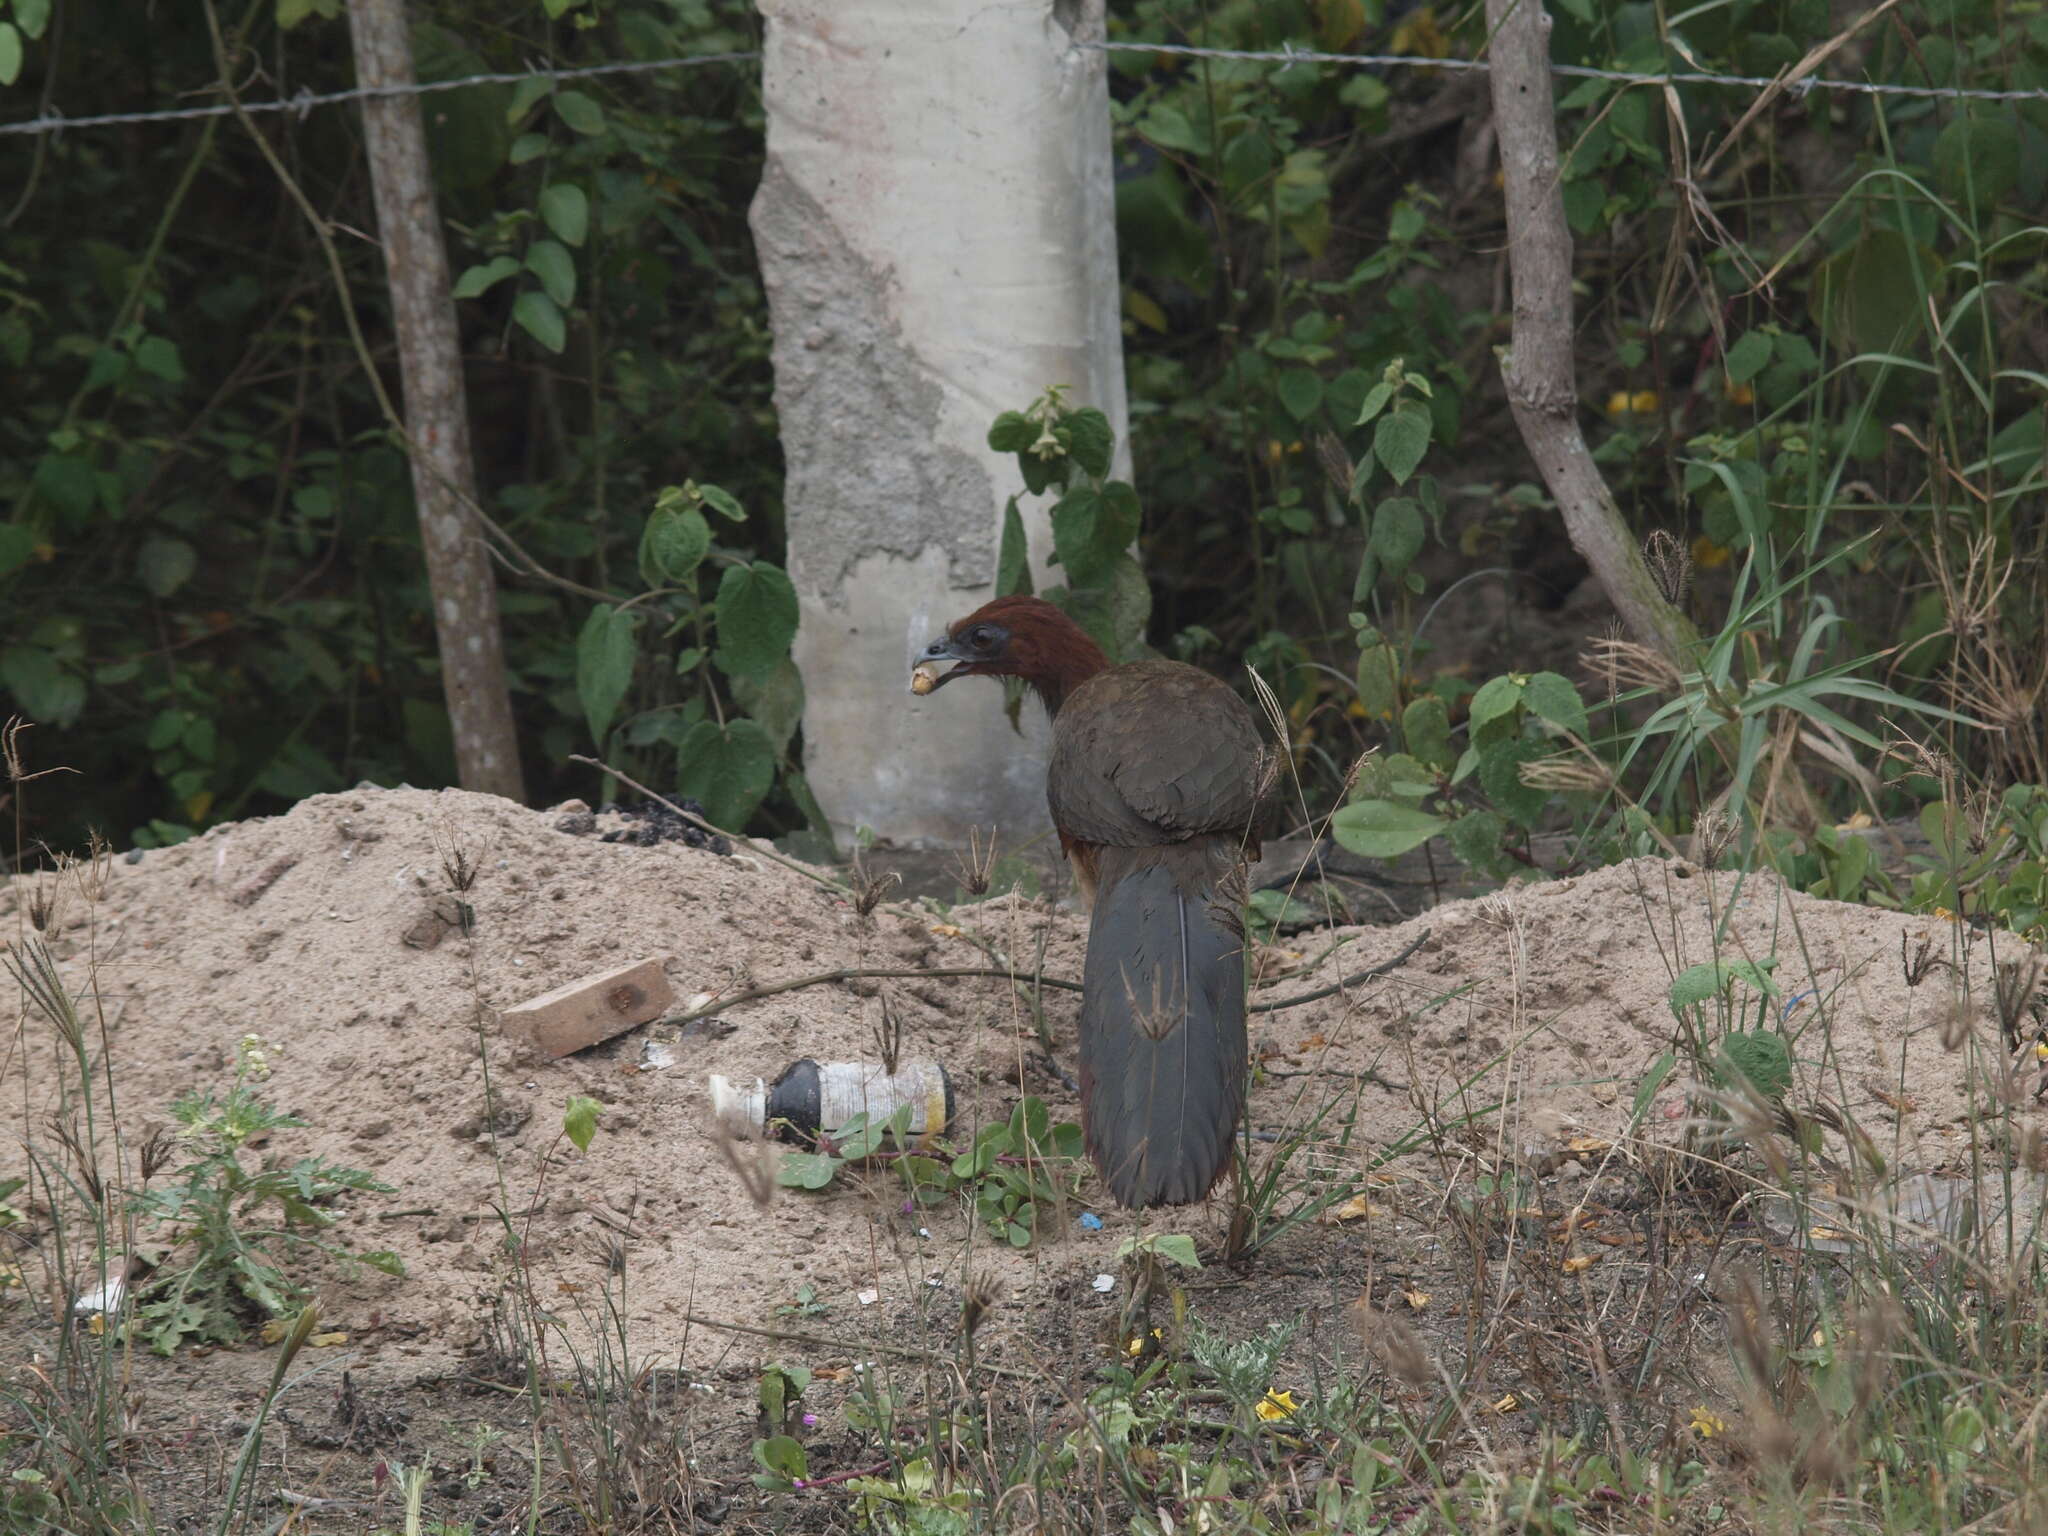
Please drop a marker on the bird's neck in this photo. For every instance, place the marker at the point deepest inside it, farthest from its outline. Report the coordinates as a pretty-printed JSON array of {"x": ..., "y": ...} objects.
[{"x": 1066, "y": 666}]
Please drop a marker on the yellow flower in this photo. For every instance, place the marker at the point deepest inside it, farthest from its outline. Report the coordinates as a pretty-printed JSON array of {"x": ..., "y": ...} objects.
[
  {"x": 1617, "y": 403},
  {"x": 1643, "y": 401},
  {"x": 1706, "y": 1423},
  {"x": 1738, "y": 394},
  {"x": 1708, "y": 555},
  {"x": 2041, "y": 1050},
  {"x": 1276, "y": 1405}
]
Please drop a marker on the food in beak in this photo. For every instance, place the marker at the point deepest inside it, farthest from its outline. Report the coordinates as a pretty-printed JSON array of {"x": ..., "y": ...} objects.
[{"x": 924, "y": 677}]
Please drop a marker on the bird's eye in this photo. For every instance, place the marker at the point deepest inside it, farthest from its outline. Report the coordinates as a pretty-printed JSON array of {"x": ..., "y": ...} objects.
[{"x": 981, "y": 637}]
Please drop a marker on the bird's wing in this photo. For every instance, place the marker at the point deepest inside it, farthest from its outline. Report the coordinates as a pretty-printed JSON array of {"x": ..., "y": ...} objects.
[{"x": 1154, "y": 752}]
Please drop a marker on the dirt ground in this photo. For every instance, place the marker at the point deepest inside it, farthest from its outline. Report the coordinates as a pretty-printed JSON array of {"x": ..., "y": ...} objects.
[{"x": 1513, "y": 1038}]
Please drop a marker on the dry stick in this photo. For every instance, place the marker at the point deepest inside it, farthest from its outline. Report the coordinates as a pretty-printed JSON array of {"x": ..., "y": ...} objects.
[
  {"x": 747, "y": 843},
  {"x": 856, "y": 972},
  {"x": 1537, "y": 367}
]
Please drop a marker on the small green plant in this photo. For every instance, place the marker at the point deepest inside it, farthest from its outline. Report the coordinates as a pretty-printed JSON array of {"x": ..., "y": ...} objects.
[
  {"x": 1014, "y": 1169},
  {"x": 806, "y": 1304},
  {"x": 728, "y": 737},
  {"x": 226, "y": 1254},
  {"x": 1094, "y": 523}
]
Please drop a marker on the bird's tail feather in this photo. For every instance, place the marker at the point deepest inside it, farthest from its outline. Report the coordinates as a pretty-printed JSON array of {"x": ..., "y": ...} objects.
[{"x": 1162, "y": 1019}]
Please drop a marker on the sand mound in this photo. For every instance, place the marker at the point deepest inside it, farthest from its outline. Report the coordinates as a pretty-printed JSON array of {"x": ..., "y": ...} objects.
[{"x": 331, "y": 932}]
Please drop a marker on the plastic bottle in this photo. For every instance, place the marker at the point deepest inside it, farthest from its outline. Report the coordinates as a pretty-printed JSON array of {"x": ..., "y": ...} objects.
[{"x": 810, "y": 1098}]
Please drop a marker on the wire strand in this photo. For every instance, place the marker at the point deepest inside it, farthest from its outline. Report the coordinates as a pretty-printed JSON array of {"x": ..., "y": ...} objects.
[{"x": 304, "y": 101}]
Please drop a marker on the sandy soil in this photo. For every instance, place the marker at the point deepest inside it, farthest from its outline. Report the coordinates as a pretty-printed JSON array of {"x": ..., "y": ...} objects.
[{"x": 1522, "y": 1025}]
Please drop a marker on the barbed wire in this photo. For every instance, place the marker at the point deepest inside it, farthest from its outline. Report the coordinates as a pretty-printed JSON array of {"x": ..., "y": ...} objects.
[
  {"x": 304, "y": 101},
  {"x": 1291, "y": 55}
]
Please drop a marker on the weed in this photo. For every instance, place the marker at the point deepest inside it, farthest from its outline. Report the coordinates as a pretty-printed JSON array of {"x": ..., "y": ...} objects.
[{"x": 221, "y": 1263}]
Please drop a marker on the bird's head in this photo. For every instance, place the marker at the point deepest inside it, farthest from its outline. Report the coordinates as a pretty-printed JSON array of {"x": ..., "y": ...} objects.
[{"x": 1024, "y": 637}]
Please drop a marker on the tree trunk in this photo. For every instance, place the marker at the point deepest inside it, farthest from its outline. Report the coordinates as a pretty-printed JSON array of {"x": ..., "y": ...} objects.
[
  {"x": 936, "y": 228},
  {"x": 459, "y": 576},
  {"x": 1538, "y": 365}
]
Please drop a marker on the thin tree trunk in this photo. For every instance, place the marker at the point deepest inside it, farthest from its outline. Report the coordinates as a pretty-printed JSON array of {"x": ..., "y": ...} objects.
[
  {"x": 1538, "y": 364},
  {"x": 459, "y": 576}
]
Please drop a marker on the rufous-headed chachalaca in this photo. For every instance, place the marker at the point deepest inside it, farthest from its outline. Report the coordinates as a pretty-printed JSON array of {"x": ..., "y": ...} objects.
[{"x": 1156, "y": 781}]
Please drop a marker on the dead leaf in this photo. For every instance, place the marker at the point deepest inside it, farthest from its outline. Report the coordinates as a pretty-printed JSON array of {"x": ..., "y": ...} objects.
[
  {"x": 1415, "y": 1299},
  {"x": 1578, "y": 1264},
  {"x": 326, "y": 1340},
  {"x": 1357, "y": 1208},
  {"x": 946, "y": 930},
  {"x": 1592, "y": 1144}
]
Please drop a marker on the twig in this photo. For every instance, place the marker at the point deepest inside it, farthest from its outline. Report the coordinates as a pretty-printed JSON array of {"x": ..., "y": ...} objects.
[
  {"x": 859, "y": 972},
  {"x": 704, "y": 826},
  {"x": 855, "y": 972},
  {"x": 1349, "y": 981}
]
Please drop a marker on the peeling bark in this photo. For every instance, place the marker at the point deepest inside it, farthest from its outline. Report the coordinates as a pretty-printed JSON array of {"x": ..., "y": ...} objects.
[
  {"x": 459, "y": 576},
  {"x": 1537, "y": 365}
]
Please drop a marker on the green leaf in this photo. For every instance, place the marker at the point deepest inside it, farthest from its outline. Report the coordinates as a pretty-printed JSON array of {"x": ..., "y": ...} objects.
[
  {"x": 1758, "y": 1057},
  {"x": 1092, "y": 529},
  {"x": 723, "y": 502},
  {"x": 47, "y": 693},
  {"x": 1748, "y": 357},
  {"x": 782, "y": 1455},
  {"x": 1549, "y": 696},
  {"x": 383, "y": 1260},
  {"x": 806, "y": 1170},
  {"x": 776, "y": 699},
  {"x": 1396, "y": 533},
  {"x": 579, "y": 1120},
  {"x": 727, "y": 767},
  {"x": 673, "y": 545},
  {"x": 551, "y": 262},
  {"x": 10, "y": 53},
  {"x": 1376, "y": 400},
  {"x": 158, "y": 356},
  {"x": 1426, "y": 729},
  {"x": 34, "y": 15},
  {"x": 525, "y": 95},
  {"x": 1089, "y": 440},
  {"x": 528, "y": 146},
  {"x": 1175, "y": 1248},
  {"x": 165, "y": 564},
  {"x": 604, "y": 666},
  {"x": 17, "y": 547},
  {"x": 481, "y": 278},
  {"x": 566, "y": 210},
  {"x": 1496, "y": 697},
  {"x": 1384, "y": 829},
  {"x": 1977, "y": 158},
  {"x": 1013, "y": 561},
  {"x": 1013, "y": 432},
  {"x": 1379, "y": 681},
  {"x": 1500, "y": 775},
  {"x": 757, "y": 617},
  {"x": 1475, "y": 840},
  {"x": 579, "y": 112},
  {"x": 1301, "y": 391},
  {"x": 1700, "y": 982},
  {"x": 538, "y": 317},
  {"x": 1399, "y": 441}
]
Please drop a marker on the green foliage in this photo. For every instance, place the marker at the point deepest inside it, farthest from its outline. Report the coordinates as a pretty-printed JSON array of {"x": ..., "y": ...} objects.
[
  {"x": 230, "y": 1227},
  {"x": 207, "y": 518},
  {"x": 1013, "y": 1172},
  {"x": 1095, "y": 521},
  {"x": 738, "y": 650}
]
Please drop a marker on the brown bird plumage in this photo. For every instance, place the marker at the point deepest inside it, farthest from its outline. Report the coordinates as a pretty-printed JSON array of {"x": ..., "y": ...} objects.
[{"x": 1156, "y": 782}]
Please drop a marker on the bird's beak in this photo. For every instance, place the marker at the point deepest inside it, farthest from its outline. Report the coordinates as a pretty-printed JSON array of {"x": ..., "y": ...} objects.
[{"x": 929, "y": 675}]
